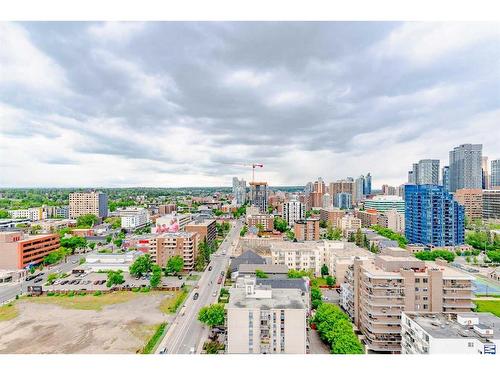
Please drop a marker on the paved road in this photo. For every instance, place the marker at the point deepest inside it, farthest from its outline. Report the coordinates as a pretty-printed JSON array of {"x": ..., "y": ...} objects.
[
  {"x": 185, "y": 331},
  {"x": 9, "y": 291}
]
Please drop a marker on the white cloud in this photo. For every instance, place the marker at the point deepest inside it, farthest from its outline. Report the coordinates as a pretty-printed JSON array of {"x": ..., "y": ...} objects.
[
  {"x": 424, "y": 42},
  {"x": 289, "y": 97},
  {"x": 120, "y": 32},
  {"x": 23, "y": 65},
  {"x": 248, "y": 78}
]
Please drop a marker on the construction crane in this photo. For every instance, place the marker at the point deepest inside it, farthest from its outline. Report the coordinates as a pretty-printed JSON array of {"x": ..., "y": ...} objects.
[{"x": 253, "y": 165}]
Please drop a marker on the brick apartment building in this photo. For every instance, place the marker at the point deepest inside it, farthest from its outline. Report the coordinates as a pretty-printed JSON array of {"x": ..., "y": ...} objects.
[
  {"x": 18, "y": 251},
  {"x": 331, "y": 215},
  {"x": 206, "y": 229},
  {"x": 472, "y": 200},
  {"x": 267, "y": 221},
  {"x": 307, "y": 230}
]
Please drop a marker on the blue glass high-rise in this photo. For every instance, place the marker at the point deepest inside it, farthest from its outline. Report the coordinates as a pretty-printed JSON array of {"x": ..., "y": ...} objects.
[{"x": 432, "y": 216}]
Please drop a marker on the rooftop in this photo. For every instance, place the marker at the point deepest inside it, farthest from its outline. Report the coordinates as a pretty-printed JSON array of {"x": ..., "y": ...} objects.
[
  {"x": 281, "y": 299},
  {"x": 266, "y": 268},
  {"x": 445, "y": 326}
]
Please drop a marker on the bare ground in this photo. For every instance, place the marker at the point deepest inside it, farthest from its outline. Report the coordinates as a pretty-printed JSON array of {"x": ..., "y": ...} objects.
[{"x": 49, "y": 328}]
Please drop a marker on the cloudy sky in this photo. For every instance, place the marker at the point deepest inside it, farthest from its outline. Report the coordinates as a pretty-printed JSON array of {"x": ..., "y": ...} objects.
[{"x": 183, "y": 104}]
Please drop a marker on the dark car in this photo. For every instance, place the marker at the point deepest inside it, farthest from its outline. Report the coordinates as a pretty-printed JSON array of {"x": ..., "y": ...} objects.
[
  {"x": 195, "y": 296},
  {"x": 222, "y": 273},
  {"x": 210, "y": 268},
  {"x": 179, "y": 277}
]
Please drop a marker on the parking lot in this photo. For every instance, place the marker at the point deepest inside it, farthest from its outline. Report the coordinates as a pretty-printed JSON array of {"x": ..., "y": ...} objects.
[{"x": 96, "y": 281}]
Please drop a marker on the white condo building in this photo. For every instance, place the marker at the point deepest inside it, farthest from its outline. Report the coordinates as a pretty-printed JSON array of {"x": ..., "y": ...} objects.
[
  {"x": 134, "y": 217},
  {"x": 293, "y": 211}
]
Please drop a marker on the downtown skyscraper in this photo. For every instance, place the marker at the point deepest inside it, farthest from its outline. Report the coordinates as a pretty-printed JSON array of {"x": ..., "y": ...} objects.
[
  {"x": 432, "y": 216},
  {"x": 239, "y": 191},
  {"x": 466, "y": 167},
  {"x": 426, "y": 171}
]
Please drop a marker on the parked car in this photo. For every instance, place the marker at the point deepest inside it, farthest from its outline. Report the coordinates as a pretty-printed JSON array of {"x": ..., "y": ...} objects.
[
  {"x": 195, "y": 296},
  {"x": 179, "y": 277},
  {"x": 210, "y": 268},
  {"x": 214, "y": 294}
]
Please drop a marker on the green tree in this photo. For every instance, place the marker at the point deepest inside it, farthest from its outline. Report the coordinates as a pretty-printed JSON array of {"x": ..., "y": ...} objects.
[
  {"x": 333, "y": 233},
  {"x": 115, "y": 278},
  {"x": 449, "y": 256},
  {"x": 323, "y": 224},
  {"x": 91, "y": 245},
  {"x": 175, "y": 264},
  {"x": 87, "y": 221},
  {"x": 212, "y": 315},
  {"x": 324, "y": 270},
  {"x": 280, "y": 224},
  {"x": 330, "y": 281},
  {"x": 316, "y": 299},
  {"x": 243, "y": 231},
  {"x": 295, "y": 274},
  {"x": 51, "y": 277},
  {"x": 141, "y": 266},
  {"x": 155, "y": 279},
  {"x": 261, "y": 274},
  {"x": 4, "y": 214},
  {"x": 351, "y": 237},
  {"x": 118, "y": 242},
  {"x": 73, "y": 243},
  {"x": 358, "y": 238},
  {"x": 290, "y": 235}
]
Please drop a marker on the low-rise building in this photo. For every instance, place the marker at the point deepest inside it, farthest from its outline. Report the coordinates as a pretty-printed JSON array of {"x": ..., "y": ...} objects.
[
  {"x": 275, "y": 271},
  {"x": 20, "y": 251},
  {"x": 133, "y": 217},
  {"x": 368, "y": 218},
  {"x": 265, "y": 320},
  {"x": 110, "y": 262},
  {"x": 33, "y": 214},
  {"x": 265, "y": 221},
  {"x": 382, "y": 203},
  {"x": 171, "y": 223},
  {"x": 463, "y": 333},
  {"x": 349, "y": 224},
  {"x": 165, "y": 209}
]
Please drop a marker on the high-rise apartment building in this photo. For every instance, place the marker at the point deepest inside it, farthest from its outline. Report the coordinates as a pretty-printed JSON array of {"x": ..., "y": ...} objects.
[
  {"x": 472, "y": 200},
  {"x": 239, "y": 191},
  {"x": 206, "y": 229},
  {"x": 432, "y": 216},
  {"x": 264, "y": 222},
  {"x": 327, "y": 201},
  {"x": 343, "y": 200},
  {"x": 388, "y": 190},
  {"x": 491, "y": 204},
  {"x": 133, "y": 217},
  {"x": 258, "y": 195},
  {"x": 341, "y": 186},
  {"x": 183, "y": 244},
  {"x": 165, "y": 209},
  {"x": 426, "y": 171},
  {"x": 331, "y": 215},
  {"x": 485, "y": 173},
  {"x": 357, "y": 194},
  {"x": 495, "y": 174},
  {"x": 293, "y": 211},
  {"x": 265, "y": 320},
  {"x": 83, "y": 203},
  {"x": 381, "y": 289},
  {"x": 465, "y": 167},
  {"x": 445, "y": 181},
  {"x": 367, "y": 190}
]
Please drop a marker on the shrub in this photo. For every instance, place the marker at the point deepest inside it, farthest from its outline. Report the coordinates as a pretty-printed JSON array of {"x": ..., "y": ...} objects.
[
  {"x": 71, "y": 294},
  {"x": 135, "y": 289},
  {"x": 98, "y": 293}
]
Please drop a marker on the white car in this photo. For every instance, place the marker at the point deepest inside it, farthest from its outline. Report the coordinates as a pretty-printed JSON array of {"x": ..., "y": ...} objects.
[
  {"x": 192, "y": 350},
  {"x": 214, "y": 294}
]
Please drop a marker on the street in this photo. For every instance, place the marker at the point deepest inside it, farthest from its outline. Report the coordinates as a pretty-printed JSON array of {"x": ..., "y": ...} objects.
[{"x": 186, "y": 334}]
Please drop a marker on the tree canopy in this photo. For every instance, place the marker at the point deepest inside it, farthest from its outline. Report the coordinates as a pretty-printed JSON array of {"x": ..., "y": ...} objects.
[
  {"x": 87, "y": 221},
  {"x": 115, "y": 278},
  {"x": 175, "y": 264},
  {"x": 280, "y": 224},
  {"x": 141, "y": 266},
  {"x": 212, "y": 315},
  {"x": 324, "y": 270},
  {"x": 261, "y": 274},
  {"x": 155, "y": 279},
  {"x": 449, "y": 256}
]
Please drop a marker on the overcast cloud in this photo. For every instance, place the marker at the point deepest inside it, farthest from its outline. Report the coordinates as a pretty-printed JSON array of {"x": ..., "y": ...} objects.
[{"x": 179, "y": 104}]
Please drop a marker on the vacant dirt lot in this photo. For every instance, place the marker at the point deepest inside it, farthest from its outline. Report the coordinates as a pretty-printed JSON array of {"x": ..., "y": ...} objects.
[{"x": 119, "y": 323}]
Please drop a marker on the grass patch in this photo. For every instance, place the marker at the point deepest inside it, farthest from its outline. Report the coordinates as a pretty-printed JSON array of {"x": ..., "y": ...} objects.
[
  {"x": 488, "y": 295},
  {"x": 172, "y": 304},
  {"x": 86, "y": 302},
  {"x": 155, "y": 339},
  {"x": 8, "y": 312},
  {"x": 193, "y": 278},
  {"x": 318, "y": 281},
  {"x": 488, "y": 306}
]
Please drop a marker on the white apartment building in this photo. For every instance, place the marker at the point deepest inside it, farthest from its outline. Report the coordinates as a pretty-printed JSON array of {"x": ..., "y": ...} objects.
[
  {"x": 394, "y": 220},
  {"x": 263, "y": 320},
  {"x": 348, "y": 224},
  {"x": 464, "y": 333},
  {"x": 173, "y": 222},
  {"x": 33, "y": 214},
  {"x": 133, "y": 217},
  {"x": 293, "y": 211}
]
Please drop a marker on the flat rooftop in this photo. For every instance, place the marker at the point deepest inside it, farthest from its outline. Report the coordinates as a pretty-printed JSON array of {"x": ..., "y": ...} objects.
[
  {"x": 440, "y": 326},
  {"x": 281, "y": 299},
  {"x": 266, "y": 268}
]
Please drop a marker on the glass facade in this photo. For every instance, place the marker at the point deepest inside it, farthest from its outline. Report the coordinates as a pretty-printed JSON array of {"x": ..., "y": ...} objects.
[{"x": 432, "y": 216}]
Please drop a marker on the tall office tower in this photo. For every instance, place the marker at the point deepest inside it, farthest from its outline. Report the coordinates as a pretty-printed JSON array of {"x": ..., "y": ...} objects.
[
  {"x": 293, "y": 211},
  {"x": 343, "y": 200},
  {"x": 341, "y": 186},
  {"x": 485, "y": 174},
  {"x": 239, "y": 191},
  {"x": 491, "y": 205},
  {"x": 446, "y": 178},
  {"x": 319, "y": 186},
  {"x": 258, "y": 195},
  {"x": 357, "y": 194},
  {"x": 465, "y": 167},
  {"x": 413, "y": 174},
  {"x": 432, "y": 216},
  {"x": 316, "y": 196},
  {"x": 428, "y": 172},
  {"x": 495, "y": 174},
  {"x": 367, "y": 189},
  {"x": 83, "y": 203}
]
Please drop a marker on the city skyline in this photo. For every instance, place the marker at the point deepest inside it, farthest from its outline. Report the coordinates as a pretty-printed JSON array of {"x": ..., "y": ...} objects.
[{"x": 181, "y": 104}]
